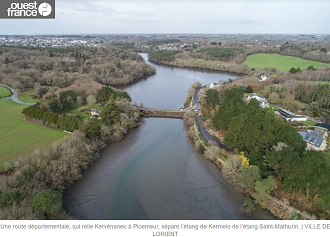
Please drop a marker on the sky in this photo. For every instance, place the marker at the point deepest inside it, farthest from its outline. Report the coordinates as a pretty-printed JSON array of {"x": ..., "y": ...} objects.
[{"x": 180, "y": 16}]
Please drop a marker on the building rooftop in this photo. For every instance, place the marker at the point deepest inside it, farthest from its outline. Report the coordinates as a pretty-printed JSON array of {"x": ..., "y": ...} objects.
[
  {"x": 318, "y": 132},
  {"x": 311, "y": 138},
  {"x": 287, "y": 112}
]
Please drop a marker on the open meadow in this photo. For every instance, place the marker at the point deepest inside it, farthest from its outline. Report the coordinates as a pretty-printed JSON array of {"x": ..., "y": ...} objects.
[
  {"x": 19, "y": 137},
  {"x": 281, "y": 62},
  {"x": 26, "y": 96},
  {"x": 4, "y": 92}
]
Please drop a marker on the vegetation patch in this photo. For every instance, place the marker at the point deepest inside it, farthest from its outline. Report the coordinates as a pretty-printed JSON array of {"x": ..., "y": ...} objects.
[
  {"x": 223, "y": 53},
  {"x": 28, "y": 96},
  {"x": 163, "y": 55},
  {"x": 19, "y": 137},
  {"x": 282, "y": 63},
  {"x": 162, "y": 41},
  {"x": 4, "y": 92}
]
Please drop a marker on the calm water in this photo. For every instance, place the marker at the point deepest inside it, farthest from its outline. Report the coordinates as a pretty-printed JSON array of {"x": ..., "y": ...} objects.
[
  {"x": 168, "y": 87},
  {"x": 154, "y": 173}
]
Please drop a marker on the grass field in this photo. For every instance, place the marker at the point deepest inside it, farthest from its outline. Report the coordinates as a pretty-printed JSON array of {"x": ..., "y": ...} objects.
[
  {"x": 322, "y": 82},
  {"x": 282, "y": 63},
  {"x": 4, "y": 92},
  {"x": 309, "y": 123},
  {"x": 19, "y": 137},
  {"x": 26, "y": 96}
]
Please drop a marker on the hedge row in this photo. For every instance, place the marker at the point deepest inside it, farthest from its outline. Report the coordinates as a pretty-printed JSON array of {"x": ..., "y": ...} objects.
[{"x": 60, "y": 121}]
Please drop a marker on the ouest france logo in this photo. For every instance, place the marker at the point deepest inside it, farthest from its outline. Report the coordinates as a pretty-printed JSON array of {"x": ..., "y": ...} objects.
[{"x": 27, "y": 9}]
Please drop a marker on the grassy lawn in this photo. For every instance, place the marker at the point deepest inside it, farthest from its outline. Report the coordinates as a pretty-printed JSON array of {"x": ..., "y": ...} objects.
[
  {"x": 282, "y": 63},
  {"x": 26, "y": 96},
  {"x": 4, "y": 92},
  {"x": 322, "y": 82},
  {"x": 19, "y": 137},
  {"x": 309, "y": 123},
  {"x": 83, "y": 114}
]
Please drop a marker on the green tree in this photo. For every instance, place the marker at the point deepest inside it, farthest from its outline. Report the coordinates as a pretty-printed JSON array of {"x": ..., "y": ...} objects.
[
  {"x": 212, "y": 97},
  {"x": 109, "y": 112},
  {"x": 314, "y": 108},
  {"x": 230, "y": 106},
  {"x": 10, "y": 197},
  {"x": 47, "y": 203},
  {"x": 92, "y": 129},
  {"x": 264, "y": 188},
  {"x": 311, "y": 68},
  {"x": 249, "y": 204},
  {"x": 249, "y": 89},
  {"x": 249, "y": 176},
  {"x": 103, "y": 95}
]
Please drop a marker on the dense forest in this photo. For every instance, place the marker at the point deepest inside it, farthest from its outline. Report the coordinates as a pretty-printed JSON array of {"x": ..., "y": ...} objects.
[
  {"x": 272, "y": 147},
  {"x": 83, "y": 68}
]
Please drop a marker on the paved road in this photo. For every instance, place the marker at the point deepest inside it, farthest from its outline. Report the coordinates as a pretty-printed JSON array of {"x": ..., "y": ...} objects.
[
  {"x": 326, "y": 124},
  {"x": 326, "y": 119},
  {"x": 207, "y": 136},
  {"x": 14, "y": 96}
]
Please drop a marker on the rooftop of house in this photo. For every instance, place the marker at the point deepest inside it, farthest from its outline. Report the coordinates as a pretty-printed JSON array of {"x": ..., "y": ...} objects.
[
  {"x": 318, "y": 132},
  {"x": 311, "y": 138},
  {"x": 287, "y": 112},
  {"x": 95, "y": 111},
  {"x": 254, "y": 95}
]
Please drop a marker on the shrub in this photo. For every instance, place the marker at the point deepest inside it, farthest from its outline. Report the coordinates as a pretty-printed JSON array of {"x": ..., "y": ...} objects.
[
  {"x": 201, "y": 148},
  {"x": 249, "y": 89},
  {"x": 249, "y": 204},
  {"x": 47, "y": 203},
  {"x": 92, "y": 129},
  {"x": 10, "y": 197}
]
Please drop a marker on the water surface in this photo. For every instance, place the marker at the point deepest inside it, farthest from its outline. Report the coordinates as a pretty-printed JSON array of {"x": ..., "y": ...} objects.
[
  {"x": 168, "y": 87},
  {"x": 154, "y": 173}
]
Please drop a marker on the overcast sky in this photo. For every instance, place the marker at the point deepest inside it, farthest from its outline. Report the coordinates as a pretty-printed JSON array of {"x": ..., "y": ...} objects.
[{"x": 180, "y": 16}]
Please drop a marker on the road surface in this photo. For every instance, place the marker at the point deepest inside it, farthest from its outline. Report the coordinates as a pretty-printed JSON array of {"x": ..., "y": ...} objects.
[
  {"x": 14, "y": 96},
  {"x": 207, "y": 136}
]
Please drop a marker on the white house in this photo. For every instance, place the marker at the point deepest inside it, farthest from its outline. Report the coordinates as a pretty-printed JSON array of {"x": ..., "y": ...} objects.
[
  {"x": 261, "y": 99},
  {"x": 95, "y": 112},
  {"x": 214, "y": 84},
  {"x": 264, "y": 77}
]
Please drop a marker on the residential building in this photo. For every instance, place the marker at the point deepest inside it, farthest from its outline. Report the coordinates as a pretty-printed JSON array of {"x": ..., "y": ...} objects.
[
  {"x": 261, "y": 99},
  {"x": 95, "y": 112},
  {"x": 316, "y": 139},
  {"x": 264, "y": 77},
  {"x": 289, "y": 116},
  {"x": 214, "y": 84}
]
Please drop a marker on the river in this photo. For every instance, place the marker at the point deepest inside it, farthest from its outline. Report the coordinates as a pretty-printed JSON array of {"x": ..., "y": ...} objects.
[{"x": 154, "y": 173}]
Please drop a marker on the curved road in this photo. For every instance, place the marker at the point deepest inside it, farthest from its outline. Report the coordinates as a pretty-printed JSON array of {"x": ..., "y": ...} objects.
[
  {"x": 14, "y": 96},
  {"x": 326, "y": 124},
  {"x": 207, "y": 136}
]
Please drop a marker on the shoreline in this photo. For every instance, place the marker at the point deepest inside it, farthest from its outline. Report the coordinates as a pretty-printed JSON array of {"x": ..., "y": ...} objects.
[{"x": 168, "y": 64}]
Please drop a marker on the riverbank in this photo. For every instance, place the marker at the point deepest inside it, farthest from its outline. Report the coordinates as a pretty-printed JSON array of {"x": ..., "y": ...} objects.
[
  {"x": 55, "y": 169},
  {"x": 202, "y": 64},
  {"x": 278, "y": 204}
]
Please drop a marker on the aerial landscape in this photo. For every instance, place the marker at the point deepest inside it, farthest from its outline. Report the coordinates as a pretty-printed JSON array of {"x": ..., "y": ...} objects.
[{"x": 183, "y": 121}]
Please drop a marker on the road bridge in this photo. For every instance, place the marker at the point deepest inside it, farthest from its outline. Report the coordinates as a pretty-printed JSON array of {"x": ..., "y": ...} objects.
[{"x": 162, "y": 113}]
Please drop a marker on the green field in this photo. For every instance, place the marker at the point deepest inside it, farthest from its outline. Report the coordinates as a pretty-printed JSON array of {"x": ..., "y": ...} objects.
[
  {"x": 322, "y": 82},
  {"x": 19, "y": 137},
  {"x": 26, "y": 96},
  {"x": 4, "y": 92},
  {"x": 282, "y": 63}
]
